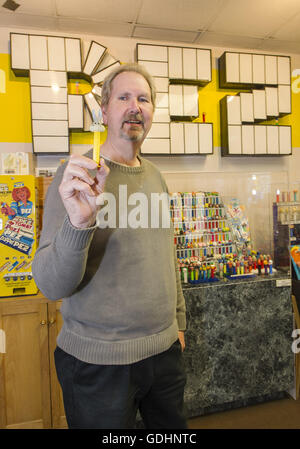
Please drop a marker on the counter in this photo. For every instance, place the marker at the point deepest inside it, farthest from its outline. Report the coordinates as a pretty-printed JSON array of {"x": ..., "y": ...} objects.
[{"x": 238, "y": 343}]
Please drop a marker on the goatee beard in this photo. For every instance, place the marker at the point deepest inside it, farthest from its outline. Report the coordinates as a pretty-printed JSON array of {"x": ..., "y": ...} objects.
[{"x": 133, "y": 135}]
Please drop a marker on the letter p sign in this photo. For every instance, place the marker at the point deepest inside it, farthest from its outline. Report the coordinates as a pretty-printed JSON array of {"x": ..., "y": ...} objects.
[{"x": 49, "y": 61}]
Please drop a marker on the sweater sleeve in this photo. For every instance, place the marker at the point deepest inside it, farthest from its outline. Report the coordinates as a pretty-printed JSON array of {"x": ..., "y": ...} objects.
[
  {"x": 60, "y": 260},
  {"x": 180, "y": 308},
  {"x": 180, "y": 304}
]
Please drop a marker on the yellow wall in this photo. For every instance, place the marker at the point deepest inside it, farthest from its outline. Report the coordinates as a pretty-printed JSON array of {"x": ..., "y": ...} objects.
[{"x": 15, "y": 124}]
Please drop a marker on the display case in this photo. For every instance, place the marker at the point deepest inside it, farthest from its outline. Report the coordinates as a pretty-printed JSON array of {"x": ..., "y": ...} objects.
[
  {"x": 237, "y": 292},
  {"x": 226, "y": 230}
]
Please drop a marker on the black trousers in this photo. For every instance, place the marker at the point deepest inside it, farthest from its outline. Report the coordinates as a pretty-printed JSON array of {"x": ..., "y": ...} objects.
[{"x": 108, "y": 396}]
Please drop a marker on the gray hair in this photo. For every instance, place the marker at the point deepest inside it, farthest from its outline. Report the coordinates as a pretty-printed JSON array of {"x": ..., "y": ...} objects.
[{"x": 130, "y": 67}]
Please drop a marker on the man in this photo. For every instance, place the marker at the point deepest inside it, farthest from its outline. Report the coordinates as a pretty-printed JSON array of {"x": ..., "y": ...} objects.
[{"x": 120, "y": 347}]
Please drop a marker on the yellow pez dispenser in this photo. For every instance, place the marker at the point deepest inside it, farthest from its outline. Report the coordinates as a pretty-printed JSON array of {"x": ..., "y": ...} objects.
[
  {"x": 96, "y": 128},
  {"x": 18, "y": 234}
]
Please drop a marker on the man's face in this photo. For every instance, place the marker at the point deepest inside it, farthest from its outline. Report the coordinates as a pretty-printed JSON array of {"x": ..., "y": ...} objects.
[{"x": 129, "y": 111}]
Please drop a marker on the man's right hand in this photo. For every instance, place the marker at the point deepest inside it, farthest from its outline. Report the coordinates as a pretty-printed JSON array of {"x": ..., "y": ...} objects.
[{"x": 78, "y": 190}]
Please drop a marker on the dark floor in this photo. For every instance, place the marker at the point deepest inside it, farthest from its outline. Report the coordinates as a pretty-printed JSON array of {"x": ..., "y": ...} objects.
[{"x": 279, "y": 414}]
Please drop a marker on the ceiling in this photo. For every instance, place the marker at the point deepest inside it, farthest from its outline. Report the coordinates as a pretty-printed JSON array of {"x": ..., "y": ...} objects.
[{"x": 267, "y": 25}]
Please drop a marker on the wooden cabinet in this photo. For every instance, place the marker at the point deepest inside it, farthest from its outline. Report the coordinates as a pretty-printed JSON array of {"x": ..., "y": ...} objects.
[
  {"x": 30, "y": 396},
  {"x": 55, "y": 324},
  {"x": 24, "y": 373}
]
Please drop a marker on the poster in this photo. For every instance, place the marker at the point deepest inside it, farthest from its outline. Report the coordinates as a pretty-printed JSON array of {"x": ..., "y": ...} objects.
[{"x": 17, "y": 234}]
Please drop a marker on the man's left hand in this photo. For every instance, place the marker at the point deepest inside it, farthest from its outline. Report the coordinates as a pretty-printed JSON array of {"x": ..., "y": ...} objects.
[{"x": 181, "y": 339}]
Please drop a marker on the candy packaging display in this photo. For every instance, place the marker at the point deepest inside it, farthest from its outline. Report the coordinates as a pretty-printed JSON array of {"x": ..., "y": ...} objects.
[{"x": 18, "y": 234}]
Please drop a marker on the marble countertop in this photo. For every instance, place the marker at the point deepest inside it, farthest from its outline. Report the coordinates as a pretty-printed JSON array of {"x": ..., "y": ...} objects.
[{"x": 238, "y": 342}]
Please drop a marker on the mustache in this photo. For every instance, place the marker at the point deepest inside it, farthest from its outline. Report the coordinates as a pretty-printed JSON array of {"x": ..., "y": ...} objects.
[{"x": 135, "y": 117}]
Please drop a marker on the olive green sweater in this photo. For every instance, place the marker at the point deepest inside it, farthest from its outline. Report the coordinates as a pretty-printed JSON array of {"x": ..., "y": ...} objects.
[{"x": 121, "y": 291}]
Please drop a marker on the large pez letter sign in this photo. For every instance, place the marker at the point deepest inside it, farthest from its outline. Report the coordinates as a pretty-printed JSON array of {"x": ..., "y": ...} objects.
[
  {"x": 49, "y": 61},
  {"x": 268, "y": 81},
  {"x": 177, "y": 72}
]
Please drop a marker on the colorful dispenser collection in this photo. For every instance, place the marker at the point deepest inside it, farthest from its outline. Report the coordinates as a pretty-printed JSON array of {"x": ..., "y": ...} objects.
[
  {"x": 202, "y": 234},
  {"x": 206, "y": 250},
  {"x": 200, "y": 224}
]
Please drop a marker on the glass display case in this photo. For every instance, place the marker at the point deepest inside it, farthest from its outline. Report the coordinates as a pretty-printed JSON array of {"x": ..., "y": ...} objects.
[
  {"x": 286, "y": 227},
  {"x": 286, "y": 231}
]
